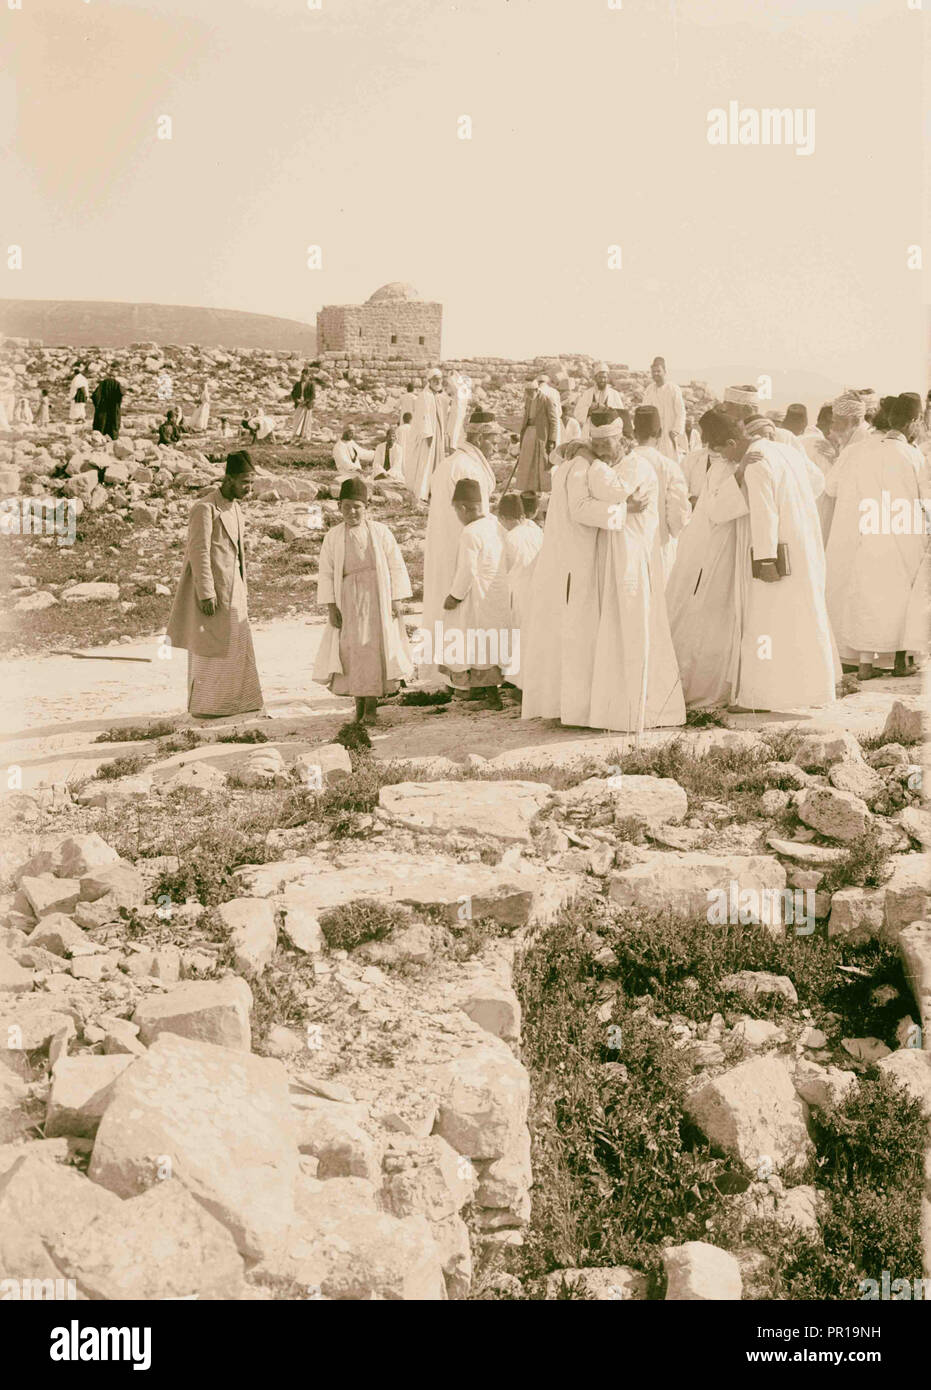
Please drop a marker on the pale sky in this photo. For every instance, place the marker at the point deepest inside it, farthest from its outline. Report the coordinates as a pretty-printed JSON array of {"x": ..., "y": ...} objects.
[{"x": 338, "y": 127}]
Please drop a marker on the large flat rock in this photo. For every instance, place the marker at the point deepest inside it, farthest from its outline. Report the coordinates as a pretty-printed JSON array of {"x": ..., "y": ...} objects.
[
  {"x": 754, "y": 1113},
  {"x": 218, "y": 1120},
  {"x": 503, "y": 810},
  {"x": 688, "y": 883},
  {"x": 513, "y": 896}
]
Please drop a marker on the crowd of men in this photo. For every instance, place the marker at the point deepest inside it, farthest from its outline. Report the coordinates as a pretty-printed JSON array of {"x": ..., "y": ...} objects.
[{"x": 743, "y": 563}]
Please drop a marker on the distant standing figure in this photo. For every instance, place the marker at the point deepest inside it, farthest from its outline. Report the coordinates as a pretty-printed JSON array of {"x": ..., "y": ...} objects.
[
  {"x": 77, "y": 395},
  {"x": 108, "y": 404},
  {"x": 201, "y": 416},
  {"x": 303, "y": 394},
  {"x": 539, "y": 433},
  {"x": 667, "y": 398},
  {"x": 459, "y": 390},
  {"x": 210, "y": 616},
  {"x": 429, "y": 440},
  {"x": 44, "y": 414},
  {"x": 22, "y": 412}
]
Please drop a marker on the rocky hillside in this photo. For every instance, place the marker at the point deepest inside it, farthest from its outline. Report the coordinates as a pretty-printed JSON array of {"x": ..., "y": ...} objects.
[{"x": 105, "y": 324}]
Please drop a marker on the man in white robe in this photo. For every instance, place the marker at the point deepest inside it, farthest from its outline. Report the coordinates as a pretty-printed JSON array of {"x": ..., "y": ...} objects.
[
  {"x": 598, "y": 396},
  {"x": 877, "y": 542},
  {"x": 571, "y": 429},
  {"x": 348, "y": 456},
  {"x": 558, "y": 643},
  {"x": 407, "y": 403},
  {"x": 470, "y": 460},
  {"x": 477, "y": 640},
  {"x": 389, "y": 457},
  {"x": 635, "y": 677},
  {"x": 673, "y": 498},
  {"x": 697, "y": 462},
  {"x": 459, "y": 391},
  {"x": 428, "y": 441},
  {"x": 785, "y": 657},
  {"x": 667, "y": 398}
]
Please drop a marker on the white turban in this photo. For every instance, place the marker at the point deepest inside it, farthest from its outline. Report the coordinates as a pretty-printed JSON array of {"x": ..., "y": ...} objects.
[
  {"x": 600, "y": 367},
  {"x": 848, "y": 407},
  {"x": 742, "y": 395},
  {"x": 611, "y": 431}
]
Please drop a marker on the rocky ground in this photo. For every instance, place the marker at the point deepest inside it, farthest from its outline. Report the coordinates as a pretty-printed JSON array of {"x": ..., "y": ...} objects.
[{"x": 478, "y": 1008}]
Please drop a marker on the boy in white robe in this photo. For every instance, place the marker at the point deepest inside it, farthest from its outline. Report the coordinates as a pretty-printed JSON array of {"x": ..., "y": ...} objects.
[
  {"x": 673, "y": 500},
  {"x": 522, "y": 544},
  {"x": 477, "y": 639},
  {"x": 362, "y": 579}
]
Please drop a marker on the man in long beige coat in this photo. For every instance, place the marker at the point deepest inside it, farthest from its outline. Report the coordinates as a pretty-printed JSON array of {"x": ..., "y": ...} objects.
[{"x": 209, "y": 616}]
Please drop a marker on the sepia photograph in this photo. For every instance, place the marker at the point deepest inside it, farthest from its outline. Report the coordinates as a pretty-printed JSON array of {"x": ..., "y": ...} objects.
[{"x": 465, "y": 497}]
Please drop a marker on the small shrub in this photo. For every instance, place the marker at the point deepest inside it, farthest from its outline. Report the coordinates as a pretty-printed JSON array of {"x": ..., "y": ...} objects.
[
  {"x": 705, "y": 719},
  {"x": 182, "y": 742},
  {"x": 866, "y": 864},
  {"x": 244, "y": 736},
  {"x": 127, "y": 766},
  {"x": 347, "y": 926},
  {"x": 425, "y": 697},
  {"x": 354, "y": 737},
  {"x": 135, "y": 733}
]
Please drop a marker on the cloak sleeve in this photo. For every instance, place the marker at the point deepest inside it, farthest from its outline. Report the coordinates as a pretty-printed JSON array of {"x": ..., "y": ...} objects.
[
  {"x": 200, "y": 530},
  {"x": 726, "y": 503},
  {"x": 596, "y": 496},
  {"x": 678, "y": 508},
  {"x": 678, "y": 420},
  {"x": 400, "y": 579},
  {"x": 466, "y": 566},
  {"x": 764, "y": 510},
  {"x": 326, "y": 589}
]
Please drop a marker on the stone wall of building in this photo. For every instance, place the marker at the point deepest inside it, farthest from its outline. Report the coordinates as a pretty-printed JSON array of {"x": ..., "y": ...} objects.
[{"x": 392, "y": 329}]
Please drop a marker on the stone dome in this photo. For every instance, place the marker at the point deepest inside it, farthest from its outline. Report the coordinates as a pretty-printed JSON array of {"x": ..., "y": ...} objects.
[{"x": 395, "y": 290}]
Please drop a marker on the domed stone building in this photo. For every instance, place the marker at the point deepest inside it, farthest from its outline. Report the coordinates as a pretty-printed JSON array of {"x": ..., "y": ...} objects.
[{"x": 393, "y": 322}]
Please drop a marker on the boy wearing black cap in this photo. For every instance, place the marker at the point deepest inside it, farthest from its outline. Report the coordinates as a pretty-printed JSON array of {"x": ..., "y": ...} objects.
[
  {"x": 362, "y": 579},
  {"x": 478, "y": 639}
]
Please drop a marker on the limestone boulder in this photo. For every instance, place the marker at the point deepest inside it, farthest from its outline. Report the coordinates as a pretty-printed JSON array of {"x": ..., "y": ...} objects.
[
  {"x": 856, "y": 777},
  {"x": 300, "y": 922},
  {"x": 46, "y": 893},
  {"x": 484, "y": 1096},
  {"x": 494, "y": 1008},
  {"x": 343, "y": 1247},
  {"x": 217, "y": 1119},
  {"x": 19, "y": 1109},
  {"x": 823, "y": 1087},
  {"x": 911, "y": 1069},
  {"x": 253, "y": 933},
  {"x": 426, "y": 1177},
  {"x": 690, "y": 883},
  {"x": 210, "y": 1011},
  {"x": 81, "y": 1090},
  {"x": 904, "y": 722},
  {"x": 823, "y": 750},
  {"x": 514, "y": 896},
  {"x": 837, "y": 814},
  {"x": 60, "y": 935},
  {"x": 753, "y": 983},
  {"x": 343, "y": 1149},
  {"x": 120, "y": 883},
  {"x": 161, "y": 1245},
  {"x": 14, "y": 979},
  {"x": 908, "y": 892},
  {"x": 656, "y": 800},
  {"x": 323, "y": 766},
  {"x": 858, "y": 914},
  {"x": 753, "y": 1111},
  {"x": 42, "y": 1202},
  {"x": 699, "y": 1271},
  {"x": 92, "y": 592},
  {"x": 72, "y": 857},
  {"x": 503, "y": 810}
]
